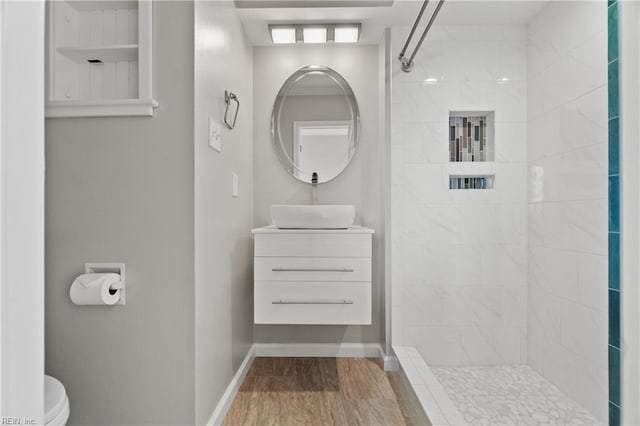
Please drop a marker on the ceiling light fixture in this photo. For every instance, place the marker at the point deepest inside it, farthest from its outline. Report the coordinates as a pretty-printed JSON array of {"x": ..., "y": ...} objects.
[
  {"x": 346, "y": 33},
  {"x": 283, "y": 34},
  {"x": 315, "y": 34}
]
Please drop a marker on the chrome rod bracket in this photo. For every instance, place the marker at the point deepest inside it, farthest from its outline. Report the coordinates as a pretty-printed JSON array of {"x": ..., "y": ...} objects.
[{"x": 406, "y": 65}]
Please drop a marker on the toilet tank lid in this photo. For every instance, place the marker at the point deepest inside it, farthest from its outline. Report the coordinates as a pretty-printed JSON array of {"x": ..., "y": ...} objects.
[{"x": 54, "y": 398}]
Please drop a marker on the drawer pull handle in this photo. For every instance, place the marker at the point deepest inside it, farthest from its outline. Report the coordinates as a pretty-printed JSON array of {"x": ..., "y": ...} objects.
[
  {"x": 314, "y": 302},
  {"x": 312, "y": 270}
]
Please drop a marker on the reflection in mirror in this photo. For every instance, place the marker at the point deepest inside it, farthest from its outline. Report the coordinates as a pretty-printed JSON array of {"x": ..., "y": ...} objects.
[
  {"x": 315, "y": 124},
  {"x": 321, "y": 146}
]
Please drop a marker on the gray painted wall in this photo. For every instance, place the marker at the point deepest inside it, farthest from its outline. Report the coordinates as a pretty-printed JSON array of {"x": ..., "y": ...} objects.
[
  {"x": 223, "y": 260},
  {"x": 121, "y": 189},
  {"x": 359, "y": 184}
]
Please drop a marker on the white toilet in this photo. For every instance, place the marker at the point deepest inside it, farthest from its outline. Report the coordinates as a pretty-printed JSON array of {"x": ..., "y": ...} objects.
[{"x": 56, "y": 403}]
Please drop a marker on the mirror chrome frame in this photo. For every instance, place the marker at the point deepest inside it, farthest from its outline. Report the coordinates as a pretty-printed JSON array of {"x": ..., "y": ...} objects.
[{"x": 348, "y": 93}]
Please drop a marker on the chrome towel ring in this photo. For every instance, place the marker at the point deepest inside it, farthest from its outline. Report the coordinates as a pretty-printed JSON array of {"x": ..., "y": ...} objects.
[{"x": 228, "y": 97}]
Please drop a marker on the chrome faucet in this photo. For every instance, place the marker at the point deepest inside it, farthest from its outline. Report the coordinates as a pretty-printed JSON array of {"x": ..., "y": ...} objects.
[{"x": 314, "y": 187}]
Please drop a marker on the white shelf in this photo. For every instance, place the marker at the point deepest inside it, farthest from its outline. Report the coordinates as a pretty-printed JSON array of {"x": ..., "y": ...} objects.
[
  {"x": 116, "y": 53},
  {"x": 89, "y": 5},
  {"x": 118, "y": 34},
  {"x": 101, "y": 108}
]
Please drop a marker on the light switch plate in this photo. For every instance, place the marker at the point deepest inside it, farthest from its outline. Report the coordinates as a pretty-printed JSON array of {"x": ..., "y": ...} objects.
[
  {"x": 215, "y": 135},
  {"x": 234, "y": 190}
]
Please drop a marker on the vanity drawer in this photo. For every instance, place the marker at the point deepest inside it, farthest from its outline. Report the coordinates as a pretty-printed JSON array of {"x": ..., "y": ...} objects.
[
  {"x": 312, "y": 303},
  {"x": 313, "y": 245},
  {"x": 312, "y": 269}
]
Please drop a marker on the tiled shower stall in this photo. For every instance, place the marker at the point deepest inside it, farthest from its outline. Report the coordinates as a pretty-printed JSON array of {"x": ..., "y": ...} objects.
[{"x": 513, "y": 274}]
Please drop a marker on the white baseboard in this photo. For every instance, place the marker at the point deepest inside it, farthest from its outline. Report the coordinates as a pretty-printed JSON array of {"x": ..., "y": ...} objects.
[
  {"x": 218, "y": 415},
  {"x": 391, "y": 363},
  {"x": 329, "y": 350}
]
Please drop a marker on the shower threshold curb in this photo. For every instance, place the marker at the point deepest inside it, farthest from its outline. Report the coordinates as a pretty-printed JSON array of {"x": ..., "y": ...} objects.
[{"x": 434, "y": 399}]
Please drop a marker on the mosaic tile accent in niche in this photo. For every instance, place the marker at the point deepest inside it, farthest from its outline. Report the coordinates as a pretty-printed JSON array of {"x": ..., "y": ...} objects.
[
  {"x": 471, "y": 136},
  {"x": 471, "y": 182}
]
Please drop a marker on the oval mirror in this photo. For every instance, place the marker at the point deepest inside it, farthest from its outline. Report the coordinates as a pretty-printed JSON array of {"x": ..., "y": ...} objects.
[{"x": 315, "y": 124}]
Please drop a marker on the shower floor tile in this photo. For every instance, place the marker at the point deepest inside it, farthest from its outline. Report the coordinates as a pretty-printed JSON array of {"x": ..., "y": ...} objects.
[{"x": 509, "y": 395}]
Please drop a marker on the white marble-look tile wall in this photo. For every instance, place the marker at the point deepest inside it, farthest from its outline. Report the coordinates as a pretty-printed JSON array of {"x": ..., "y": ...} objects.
[
  {"x": 459, "y": 258},
  {"x": 567, "y": 226}
]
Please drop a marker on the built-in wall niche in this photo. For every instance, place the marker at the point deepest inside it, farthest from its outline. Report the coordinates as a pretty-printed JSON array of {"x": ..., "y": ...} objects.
[
  {"x": 471, "y": 136},
  {"x": 471, "y": 182},
  {"x": 99, "y": 58}
]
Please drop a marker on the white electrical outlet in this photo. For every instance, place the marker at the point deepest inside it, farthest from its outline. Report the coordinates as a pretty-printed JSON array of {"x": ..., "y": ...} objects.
[
  {"x": 234, "y": 189},
  {"x": 215, "y": 135}
]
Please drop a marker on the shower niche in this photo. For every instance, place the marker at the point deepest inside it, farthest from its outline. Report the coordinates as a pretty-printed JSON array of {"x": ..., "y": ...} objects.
[
  {"x": 471, "y": 136},
  {"x": 471, "y": 140},
  {"x": 471, "y": 182}
]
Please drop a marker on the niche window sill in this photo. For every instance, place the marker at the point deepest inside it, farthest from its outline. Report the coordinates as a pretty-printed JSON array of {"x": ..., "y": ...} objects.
[{"x": 101, "y": 108}]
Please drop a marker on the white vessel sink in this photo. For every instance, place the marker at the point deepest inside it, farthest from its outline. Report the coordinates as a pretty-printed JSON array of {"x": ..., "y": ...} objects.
[{"x": 317, "y": 216}]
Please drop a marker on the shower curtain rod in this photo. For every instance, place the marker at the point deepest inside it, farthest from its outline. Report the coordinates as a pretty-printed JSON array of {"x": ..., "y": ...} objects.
[{"x": 407, "y": 64}]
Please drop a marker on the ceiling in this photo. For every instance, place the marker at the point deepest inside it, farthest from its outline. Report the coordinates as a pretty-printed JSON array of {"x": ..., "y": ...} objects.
[{"x": 375, "y": 16}]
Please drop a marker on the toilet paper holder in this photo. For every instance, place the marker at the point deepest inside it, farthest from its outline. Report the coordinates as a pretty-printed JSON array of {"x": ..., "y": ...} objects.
[{"x": 116, "y": 268}]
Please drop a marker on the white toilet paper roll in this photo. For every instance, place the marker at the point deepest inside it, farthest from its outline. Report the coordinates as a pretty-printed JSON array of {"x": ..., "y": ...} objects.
[{"x": 94, "y": 289}]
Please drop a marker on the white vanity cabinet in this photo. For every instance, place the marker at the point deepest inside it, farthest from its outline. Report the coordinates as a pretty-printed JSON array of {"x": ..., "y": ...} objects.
[{"x": 312, "y": 276}]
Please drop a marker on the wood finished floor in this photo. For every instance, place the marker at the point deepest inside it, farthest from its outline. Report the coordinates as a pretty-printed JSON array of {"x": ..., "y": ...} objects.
[{"x": 323, "y": 391}]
